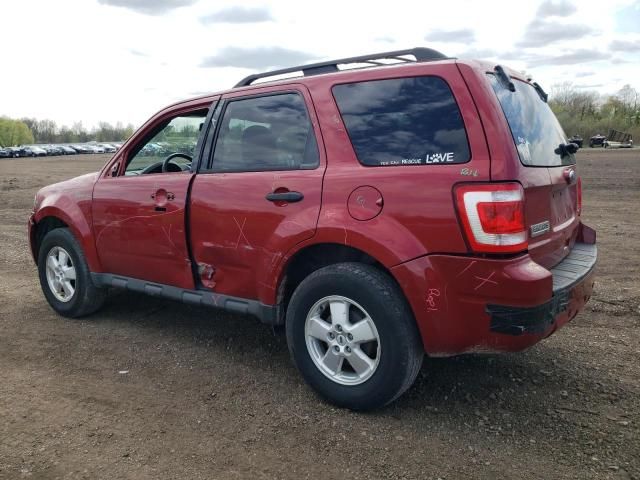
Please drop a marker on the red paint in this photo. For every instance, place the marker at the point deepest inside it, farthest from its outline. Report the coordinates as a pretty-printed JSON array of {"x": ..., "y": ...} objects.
[
  {"x": 547, "y": 194},
  {"x": 132, "y": 238},
  {"x": 461, "y": 324},
  {"x": 365, "y": 203},
  {"x": 404, "y": 217}
]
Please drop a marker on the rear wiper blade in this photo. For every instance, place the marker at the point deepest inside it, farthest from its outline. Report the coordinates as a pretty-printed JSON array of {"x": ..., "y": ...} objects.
[
  {"x": 505, "y": 79},
  {"x": 541, "y": 93},
  {"x": 566, "y": 149}
]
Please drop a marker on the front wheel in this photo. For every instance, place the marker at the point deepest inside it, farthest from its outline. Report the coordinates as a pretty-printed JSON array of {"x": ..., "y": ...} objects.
[
  {"x": 64, "y": 275},
  {"x": 353, "y": 336}
]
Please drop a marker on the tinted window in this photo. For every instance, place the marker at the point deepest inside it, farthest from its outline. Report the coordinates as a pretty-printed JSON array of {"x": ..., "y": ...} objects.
[
  {"x": 403, "y": 121},
  {"x": 535, "y": 129},
  {"x": 266, "y": 133}
]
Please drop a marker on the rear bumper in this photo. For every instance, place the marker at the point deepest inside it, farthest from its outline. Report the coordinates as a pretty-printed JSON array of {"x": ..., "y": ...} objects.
[
  {"x": 568, "y": 282},
  {"x": 469, "y": 304}
]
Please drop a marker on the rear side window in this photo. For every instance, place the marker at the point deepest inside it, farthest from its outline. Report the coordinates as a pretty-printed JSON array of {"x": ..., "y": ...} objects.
[
  {"x": 266, "y": 133},
  {"x": 535, "y": 129},
  {"x": 403, "y": 121}
]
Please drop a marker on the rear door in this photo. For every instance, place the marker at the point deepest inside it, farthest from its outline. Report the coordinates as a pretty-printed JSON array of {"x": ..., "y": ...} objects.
[
  {"x": 260, "y": 193},
  {"x": 550, "y": 179}
]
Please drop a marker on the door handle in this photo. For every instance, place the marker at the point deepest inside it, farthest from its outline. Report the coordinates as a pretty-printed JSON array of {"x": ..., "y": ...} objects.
[
  {"x": 287, "y": 197},
  {"x": 162, "y": 195}
]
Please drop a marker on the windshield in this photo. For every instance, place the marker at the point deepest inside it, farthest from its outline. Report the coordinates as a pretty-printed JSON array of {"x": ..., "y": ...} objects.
[{"x": 535, "y": 129}]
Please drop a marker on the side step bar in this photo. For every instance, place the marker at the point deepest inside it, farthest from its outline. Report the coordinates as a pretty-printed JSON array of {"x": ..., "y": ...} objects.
[{"x": 268, "y": 314}]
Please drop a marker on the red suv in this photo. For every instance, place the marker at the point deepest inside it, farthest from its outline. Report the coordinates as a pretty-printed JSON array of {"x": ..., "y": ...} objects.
[{"x": 414, "y": 204}]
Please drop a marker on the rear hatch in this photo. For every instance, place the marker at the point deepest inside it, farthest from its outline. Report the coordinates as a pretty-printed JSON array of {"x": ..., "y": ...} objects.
[{"x": 547, "y": 172}]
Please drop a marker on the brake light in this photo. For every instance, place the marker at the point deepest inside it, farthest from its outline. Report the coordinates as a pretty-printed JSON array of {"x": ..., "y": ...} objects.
[
  {"x": 492, "y": 216},
  {"x": 579, "y": 196}
]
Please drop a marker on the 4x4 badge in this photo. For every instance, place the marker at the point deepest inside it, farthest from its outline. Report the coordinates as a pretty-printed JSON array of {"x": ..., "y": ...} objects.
[{"x": 540, "y": 228}]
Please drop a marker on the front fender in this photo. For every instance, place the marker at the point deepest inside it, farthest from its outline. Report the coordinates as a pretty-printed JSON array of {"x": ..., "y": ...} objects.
[{"x": 77, "y": 216}]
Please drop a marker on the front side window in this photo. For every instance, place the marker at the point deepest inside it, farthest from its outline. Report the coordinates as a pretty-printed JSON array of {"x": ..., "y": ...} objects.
[
  {"x": 265, "y": 133},
  {"x": 403, "y": 121},
  {"x": 176, "y": 135}
]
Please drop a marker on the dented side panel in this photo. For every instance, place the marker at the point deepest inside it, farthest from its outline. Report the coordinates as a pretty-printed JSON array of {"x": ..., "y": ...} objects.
[
  {"x": 238, "y": 237},
  {"x": 139, "y": 235}
]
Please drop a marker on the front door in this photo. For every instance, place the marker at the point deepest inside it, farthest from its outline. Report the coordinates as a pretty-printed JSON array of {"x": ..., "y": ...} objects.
[
  {"x": 139, "y": 203},
  {"x": 260, "y": 194}
]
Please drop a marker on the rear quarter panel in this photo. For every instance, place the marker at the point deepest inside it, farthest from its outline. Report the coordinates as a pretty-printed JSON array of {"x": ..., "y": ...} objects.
[{"x": 418, "y": 216}]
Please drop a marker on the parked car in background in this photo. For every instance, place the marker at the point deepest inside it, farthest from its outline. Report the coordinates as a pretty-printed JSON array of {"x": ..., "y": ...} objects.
[
  {"x": 17, "y": 152},
  {"x": 95, "y": 148},
  {"x": 5, "y": 153},
  {"x": 52, "y": 149},
  {"x": 80, "y": 148},
  {"x": 597, "y": 140},
  {"x": 152, "y": 149},
  {"x": 34, "y": 151},
  {"x": 577, "y": 139},
  {"x": 67, "y": 150},
  {"x": 309, "y": 205},
  {"x": 108, "y": 148}
]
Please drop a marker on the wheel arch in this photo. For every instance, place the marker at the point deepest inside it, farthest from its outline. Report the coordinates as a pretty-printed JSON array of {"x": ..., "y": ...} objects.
[
  {"x": 41, "y": 228},
  {"x": 51, "y": 217},
  {"x": 310, "y": 258}
]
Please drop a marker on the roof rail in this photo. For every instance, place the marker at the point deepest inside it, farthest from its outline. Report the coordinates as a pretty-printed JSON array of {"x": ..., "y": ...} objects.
[{"x": 420, "y": 54}]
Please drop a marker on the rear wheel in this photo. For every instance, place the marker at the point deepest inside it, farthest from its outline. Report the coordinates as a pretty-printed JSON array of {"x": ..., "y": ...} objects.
[
  {"x": 353, "y": 337},
  {"x": 64, "y": 275}
]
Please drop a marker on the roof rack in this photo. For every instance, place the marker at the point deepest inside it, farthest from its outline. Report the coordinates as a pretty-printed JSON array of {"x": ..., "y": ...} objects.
[{"x": 420, "y": 54}]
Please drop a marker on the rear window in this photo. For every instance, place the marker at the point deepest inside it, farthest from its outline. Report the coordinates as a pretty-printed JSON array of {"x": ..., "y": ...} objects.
[
  {"x": 403, "y": 121},
  {"x": 535, "y": 129}
]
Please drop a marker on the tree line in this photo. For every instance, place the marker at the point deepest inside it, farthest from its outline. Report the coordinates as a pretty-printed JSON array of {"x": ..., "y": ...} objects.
[
  {"x": 587, "y": 113},
  {"x": 580, "y": 112},
  {"x": 26, "y": 131}
]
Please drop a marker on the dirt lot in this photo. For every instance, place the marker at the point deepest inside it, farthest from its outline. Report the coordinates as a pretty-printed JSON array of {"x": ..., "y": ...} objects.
[{"x": 213, "y": 395}]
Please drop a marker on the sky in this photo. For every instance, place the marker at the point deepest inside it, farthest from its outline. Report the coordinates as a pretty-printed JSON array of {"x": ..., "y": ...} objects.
[{"x": 123, "y": 60}]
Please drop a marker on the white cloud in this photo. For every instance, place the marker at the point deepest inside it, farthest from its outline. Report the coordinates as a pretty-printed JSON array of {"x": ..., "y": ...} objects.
[
  {"x": 625, "y": 45},
  {"x": 462, "y": 35},
  {"x": 557, "y": 8},
  {"x": 149, "y": 7},
  {"x": 237, "y": 14},
  {"x": 260, "y": 58},
  {"x": 540, "y": 33}
]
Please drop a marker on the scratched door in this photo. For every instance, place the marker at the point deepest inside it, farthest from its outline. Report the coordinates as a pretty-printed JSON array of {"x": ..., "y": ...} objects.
[{"x": 260, "y": 194}]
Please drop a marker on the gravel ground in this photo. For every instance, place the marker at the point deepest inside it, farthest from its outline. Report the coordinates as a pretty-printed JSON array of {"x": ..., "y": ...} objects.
[{"x": 147, "y": 388}]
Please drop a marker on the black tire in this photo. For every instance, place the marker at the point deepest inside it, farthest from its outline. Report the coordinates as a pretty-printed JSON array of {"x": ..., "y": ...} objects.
[
  {"x": 401, "y": 350},
  {"x": 87, "y": 298}
]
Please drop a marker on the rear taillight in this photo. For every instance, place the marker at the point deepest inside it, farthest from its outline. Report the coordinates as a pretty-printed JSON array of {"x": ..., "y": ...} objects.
[
  {"x": 492, "y": 216},
  {"x": 579, "y": 196}
]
